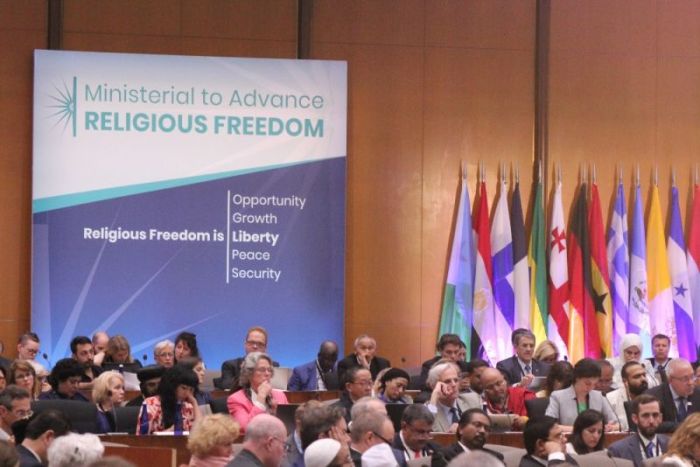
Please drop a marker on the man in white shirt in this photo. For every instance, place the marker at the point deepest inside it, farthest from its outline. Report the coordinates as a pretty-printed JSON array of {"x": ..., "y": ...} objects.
[
  {"x": 660, "y": 345},
  {"x": 634, "y": 383}
]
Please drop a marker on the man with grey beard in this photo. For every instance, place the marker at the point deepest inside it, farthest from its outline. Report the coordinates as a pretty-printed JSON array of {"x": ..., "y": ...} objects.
[{"x": 634, "y": 383}]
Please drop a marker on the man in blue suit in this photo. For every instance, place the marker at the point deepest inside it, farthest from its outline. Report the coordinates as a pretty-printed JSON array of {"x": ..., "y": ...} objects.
[
  {"x": 521, "y": 368},
  {"x": 319, "y": 374}
]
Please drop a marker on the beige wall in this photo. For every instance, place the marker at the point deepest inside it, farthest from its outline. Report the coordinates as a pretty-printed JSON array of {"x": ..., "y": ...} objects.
[{"x": 430, "y": 83}]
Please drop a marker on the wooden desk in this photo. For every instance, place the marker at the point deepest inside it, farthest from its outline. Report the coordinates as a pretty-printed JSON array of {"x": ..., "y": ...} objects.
[
  {"x": 513, "y": 438},
  {"x": 150, "y": 456},
  {"x": 178, "y": 443}
]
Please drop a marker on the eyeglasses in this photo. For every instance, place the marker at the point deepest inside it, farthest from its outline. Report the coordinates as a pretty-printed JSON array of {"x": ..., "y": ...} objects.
[
  {"x": 166, "y": 354},
  {"x": 23, "y": 413},
  {"x": 685, "y": 379},
  {"x": 285, "y": 445},
  {"x": 264, "y": 370},
  {"x": 382, "y": 438},
  {"x": 256, "y": 344}
]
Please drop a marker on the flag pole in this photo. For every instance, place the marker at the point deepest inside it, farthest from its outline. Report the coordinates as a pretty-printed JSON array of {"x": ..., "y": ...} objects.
[
  {"x": 636, "y": 178},
  {"x": 593, "y": 175},
  {"x": 673, "y": 176}
]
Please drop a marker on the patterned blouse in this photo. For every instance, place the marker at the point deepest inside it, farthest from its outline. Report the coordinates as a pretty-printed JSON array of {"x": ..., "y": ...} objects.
[{"x": 151, "y": 417}]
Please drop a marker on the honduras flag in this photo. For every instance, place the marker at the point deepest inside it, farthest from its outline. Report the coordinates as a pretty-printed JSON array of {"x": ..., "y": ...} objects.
[{"x": 618, "y": 258}]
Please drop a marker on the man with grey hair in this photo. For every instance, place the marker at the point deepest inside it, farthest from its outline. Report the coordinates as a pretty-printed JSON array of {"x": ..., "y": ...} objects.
[
  {"x": 414, "y": 437},
  {"x": 264, "y": 444},
  {"x": 75, "y": 449},
  {"x": 446, "y": 403},
  {"x": 14, "y": 405},
  {"x": 679, "y": 396},
  {"x": 521, "y": 369},
  {"x": 364, "y": 356},
  {"x": 367, "y": 404},
  {"x": 164, "y": 353}
]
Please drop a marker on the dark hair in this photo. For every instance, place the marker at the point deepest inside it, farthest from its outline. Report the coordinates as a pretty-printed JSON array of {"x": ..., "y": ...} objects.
[
  {"x": 391, "y": 374},
  {"x": 167, "y": 389},
  {"x": 65, "y": 368},
  {"x": 80, "y": 340},
  {"x": 642, "y": 399},
  {"x": 318, "y": 420},
  {"x": 447, "y": 339},
  {"x": 519, "y": 334},
  {"x": 586, "y": 368},
  {"x": 191, "y": 341},
  {"x": 50, "y": 419},
  {"x": 536, "y": 430},
  {"x": 475, "y": 364},
  {"x": 586, "y": 419},
  {"x": 12, "y": 393},
  {"x": 349, "y": 375},
  {"x": 560, "y": 371},
  {"x": 28, "y": 336},
  {"x": 467, "y": 416},
  {"x": 660, "y": 336},
  {"x": 417, "y": 412},
  {"x": 625, "y": 367}
]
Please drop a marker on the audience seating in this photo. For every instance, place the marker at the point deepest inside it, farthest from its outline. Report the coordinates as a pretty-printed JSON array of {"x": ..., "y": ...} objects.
[
  {"x": 126, "y": 418},
  {"x": 537, "y": 407},
  {"x": 82, "y": 415},
  {"x": 219, "y": 405},
  {"x": 143, "y": 455}
]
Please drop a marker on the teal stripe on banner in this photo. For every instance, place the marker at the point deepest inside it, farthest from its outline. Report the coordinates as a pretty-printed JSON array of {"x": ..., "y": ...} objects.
[{"x": 74, "y": 199}]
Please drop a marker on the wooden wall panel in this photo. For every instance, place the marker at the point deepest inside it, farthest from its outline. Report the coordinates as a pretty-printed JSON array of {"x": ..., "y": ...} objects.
[{"x": 22, "y": 29}]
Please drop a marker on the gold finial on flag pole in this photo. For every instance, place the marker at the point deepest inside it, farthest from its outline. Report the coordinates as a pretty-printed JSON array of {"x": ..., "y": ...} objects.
[
  {"x": 673, "y": 176},
  {"x": 636, "y": 178},
  {"x": 516, "y": 169},
  {"x": 656, "y": 175},
  {"x": 593, "y": 174},
  {"x": 559, "y": 172},
  {"x": 619, "y": 174}
]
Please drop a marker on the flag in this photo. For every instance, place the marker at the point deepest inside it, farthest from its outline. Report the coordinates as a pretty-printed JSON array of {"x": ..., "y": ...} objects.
[
  {"x": 694, "y": 261},
  {"x": 521, "y": 276},
  {"x": 487, "y": 337},
  {"x": 457, "y": 315},
  {"x": 659, "y": 279},
  {"x": 639, "y": 300},
  {"x": 618, "y": 257},
  {"x": 680, "y": 287},
  {"x": 600, "y": 280},
  {"x": 558, "y": 325},
  {"x": 583, "y": 326},
  {"x": 537, "y": 260},
  {"x": 502, "y": 245}
]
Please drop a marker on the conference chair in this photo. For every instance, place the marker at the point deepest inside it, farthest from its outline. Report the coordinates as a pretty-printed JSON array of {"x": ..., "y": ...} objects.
[
  {"x": 536, "y": 408},
  {"x": 82, "y": 415}
]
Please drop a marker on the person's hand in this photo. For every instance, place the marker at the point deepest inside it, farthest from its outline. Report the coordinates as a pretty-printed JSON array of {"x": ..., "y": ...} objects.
[
  {"x": 519, "y": 423},
  {"x": 191, "y": 399},
  {"x": 527, "y": 379},
  {"x": 364, "y": 360},
  {"x": 612, "y": 426},
  {"x": 440, "y": 390},
  {"x": 264, "y": 390},
  {"x": 453, "y": 428},
  {"x": 552, "y": 446}
]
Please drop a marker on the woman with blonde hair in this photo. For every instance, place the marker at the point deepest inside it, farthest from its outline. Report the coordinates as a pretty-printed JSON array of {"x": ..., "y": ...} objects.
[
  {"x": 211, "y": 441},
  {"x": 22, "y": 374},
  {"x": 684, "y": 447},
  {"x": 118, "y": 354},
  {"x": 546, "y": 352},
  {"x": 107, "y": 393}
]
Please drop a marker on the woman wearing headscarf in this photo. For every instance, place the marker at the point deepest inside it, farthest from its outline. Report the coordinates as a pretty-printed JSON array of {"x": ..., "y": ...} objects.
[{"x": 631, "y": 349}]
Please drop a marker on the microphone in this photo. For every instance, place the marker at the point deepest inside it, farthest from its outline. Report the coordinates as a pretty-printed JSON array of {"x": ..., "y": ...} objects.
[
  {"x": 46, "y": 357},
  {"x": 619, "y": 424},
  {"x": 144, "y": 358},
  {"x": 612, "y": 458}
]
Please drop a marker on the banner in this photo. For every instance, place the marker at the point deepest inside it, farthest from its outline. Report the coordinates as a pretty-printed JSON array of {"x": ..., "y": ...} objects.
[{"x": 189, "y": 193}]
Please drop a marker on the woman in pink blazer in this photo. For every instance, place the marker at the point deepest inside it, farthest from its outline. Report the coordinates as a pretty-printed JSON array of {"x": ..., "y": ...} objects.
[{"x": 257, "y": 395}]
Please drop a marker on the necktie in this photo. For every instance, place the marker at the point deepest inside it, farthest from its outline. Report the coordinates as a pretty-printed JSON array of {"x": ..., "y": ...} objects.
[
  {"x": 662, "y": 373},
  {"x": 455, "y": 415},
  {"x": 527, "y": 369},
  {"x": 416, "y": 454},
  {"x": 650, "y": 450},
  {"x": 682, "y": 411}
]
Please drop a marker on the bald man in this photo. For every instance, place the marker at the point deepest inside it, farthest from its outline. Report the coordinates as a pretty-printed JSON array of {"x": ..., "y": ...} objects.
[
  {"x": 264, "y": 444},
  {"x": 500, "y": 398}
]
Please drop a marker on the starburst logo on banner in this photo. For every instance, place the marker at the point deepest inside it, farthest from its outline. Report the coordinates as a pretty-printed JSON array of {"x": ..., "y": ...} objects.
[{"x": 65, "y": 105}]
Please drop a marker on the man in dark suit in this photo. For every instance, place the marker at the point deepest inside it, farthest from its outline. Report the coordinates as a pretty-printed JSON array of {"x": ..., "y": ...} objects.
[
  {"x": 521, "y": 368},
  {"x": 364, "y": 356},
  {"x": 265, "y": 438},
  {"x": 357, "y": 383},
  {"x": 545, "y": 443},
  {"x": 255, "y": 341},
  {"x": 448, "y": 349},
  {"x": 369, "y": 429},
  {"x": 679, "y": 396},
  {"x": 472, "y": 434},
  {"x": 646, "y": 414},
  {"x": 40, "y": 432},
  {"x": 660, "y": 345},
  {"x": 318, "y": 374},
  {"x": 414, "y": 437}
]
